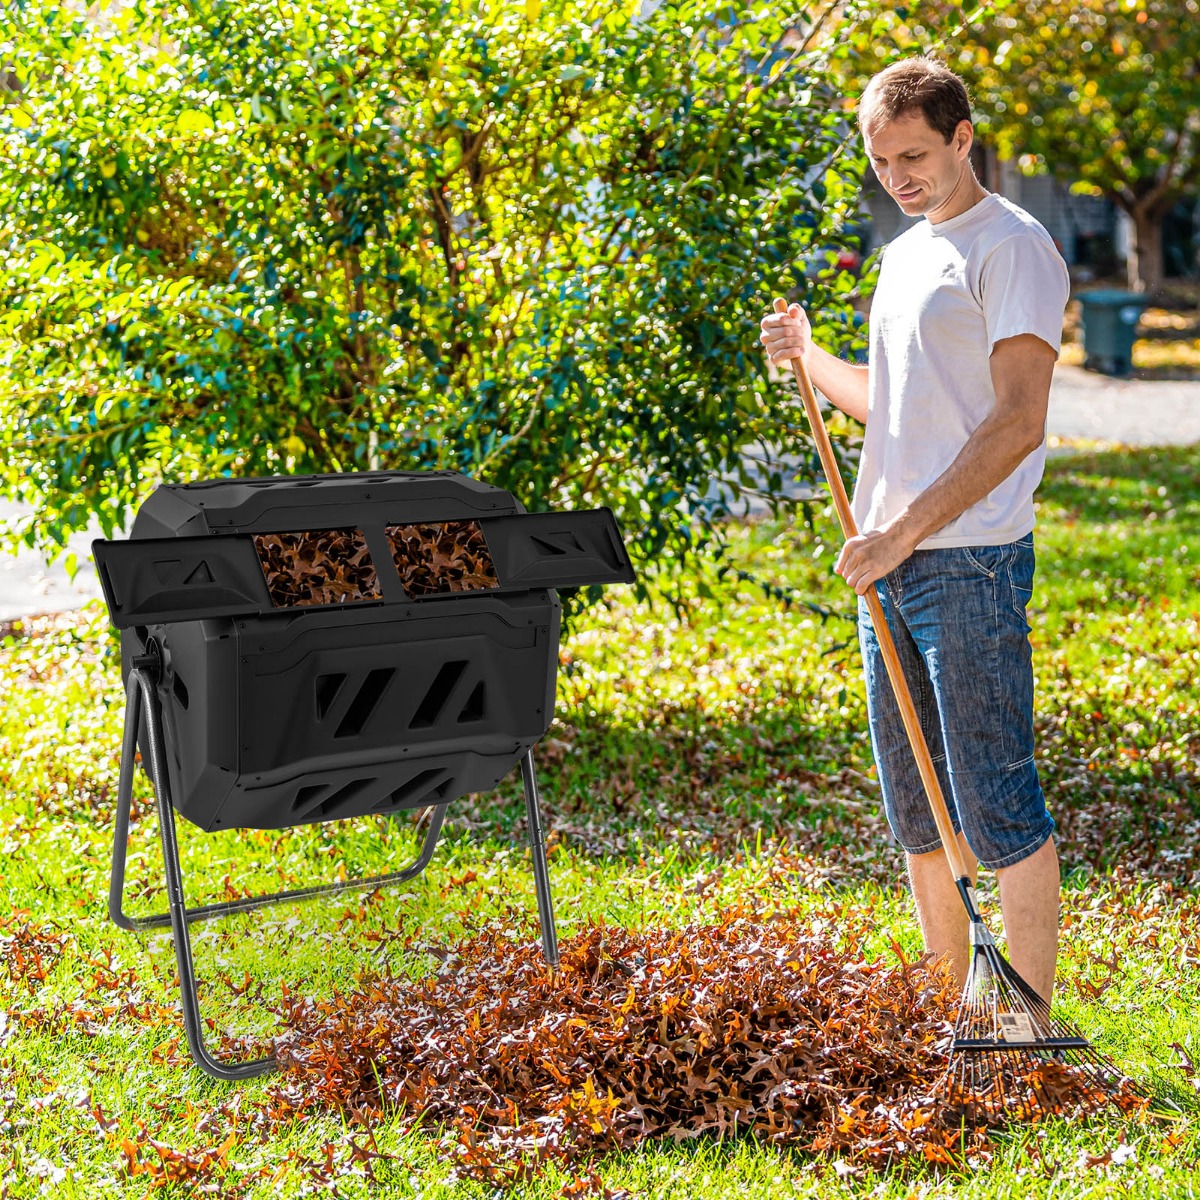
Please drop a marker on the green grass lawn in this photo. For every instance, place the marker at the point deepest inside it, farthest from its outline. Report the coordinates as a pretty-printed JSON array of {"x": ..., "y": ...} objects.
[{"x": 695, "y": 761}]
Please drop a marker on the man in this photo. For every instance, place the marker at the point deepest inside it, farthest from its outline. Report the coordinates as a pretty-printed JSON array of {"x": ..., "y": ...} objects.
[{"x": 965, "y": 327}]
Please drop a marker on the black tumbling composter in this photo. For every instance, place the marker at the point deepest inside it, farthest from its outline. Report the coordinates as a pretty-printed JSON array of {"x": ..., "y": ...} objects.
[{"x": 311, "y": 648}]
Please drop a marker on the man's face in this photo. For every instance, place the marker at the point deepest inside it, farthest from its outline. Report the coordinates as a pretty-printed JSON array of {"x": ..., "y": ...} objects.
[{"x": 916, "y": 167}]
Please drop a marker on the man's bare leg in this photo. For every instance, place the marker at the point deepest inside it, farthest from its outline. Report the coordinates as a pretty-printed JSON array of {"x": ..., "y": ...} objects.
[
  {"x": 940, "y": 908},
  {"x": 1029, "y": 896}
]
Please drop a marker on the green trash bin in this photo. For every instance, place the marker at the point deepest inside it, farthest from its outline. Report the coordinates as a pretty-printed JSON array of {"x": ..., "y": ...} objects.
[{"x": 1110, "y": 319}]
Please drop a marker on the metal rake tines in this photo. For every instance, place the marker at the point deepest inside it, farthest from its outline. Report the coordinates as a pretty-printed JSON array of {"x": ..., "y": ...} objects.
[
  {"x": 1012, "y": 1060},
  {"x": 994, "y": 1086},
  {"x": 999, "y": 1010}
]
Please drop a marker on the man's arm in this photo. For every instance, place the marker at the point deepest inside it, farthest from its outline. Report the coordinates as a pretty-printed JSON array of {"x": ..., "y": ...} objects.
[
  {"x": 843, "y": 383},
  {"x": 788, "y": 335},
  {"x": 1021, "y": 368}
]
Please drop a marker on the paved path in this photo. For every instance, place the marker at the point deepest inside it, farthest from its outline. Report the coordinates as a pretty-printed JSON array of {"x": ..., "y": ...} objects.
[
  {"x": 28, "y": 586},
  {"x": 1133, "y": 412},
  {"x": 1083, "y": 405}
]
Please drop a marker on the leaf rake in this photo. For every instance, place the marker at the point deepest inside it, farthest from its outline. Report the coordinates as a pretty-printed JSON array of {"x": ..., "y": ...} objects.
[{"x": 1010, "y": 1059}]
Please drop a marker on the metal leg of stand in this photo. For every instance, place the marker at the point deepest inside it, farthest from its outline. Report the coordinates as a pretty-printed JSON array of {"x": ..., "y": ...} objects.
[
  {"x": 143, "y": 711},
  {"x": 541, "y": 875},
  {"x": 116, "y": 882},
  {"x": 192, "y": 1023}
]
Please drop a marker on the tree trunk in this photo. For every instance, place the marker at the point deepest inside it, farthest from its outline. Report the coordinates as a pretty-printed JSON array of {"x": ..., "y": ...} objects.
[{"x": 1144, "y": 262}]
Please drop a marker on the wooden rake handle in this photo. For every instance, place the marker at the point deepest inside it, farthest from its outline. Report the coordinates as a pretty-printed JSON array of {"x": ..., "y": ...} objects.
[{"x": 908, "y": 711}]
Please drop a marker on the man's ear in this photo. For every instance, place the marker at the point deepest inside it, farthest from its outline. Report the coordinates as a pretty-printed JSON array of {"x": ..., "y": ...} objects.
[{"x": 964, "y": 136}]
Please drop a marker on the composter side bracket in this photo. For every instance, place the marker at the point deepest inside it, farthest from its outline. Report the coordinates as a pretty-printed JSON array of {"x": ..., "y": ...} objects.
[
  {"x": 552, "y": 549},
  {"x": 148, "y": 581}
]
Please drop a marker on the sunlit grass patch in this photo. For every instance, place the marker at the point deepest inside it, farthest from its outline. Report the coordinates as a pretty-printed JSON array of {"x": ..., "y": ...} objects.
[{"x": 694, "y": 763}]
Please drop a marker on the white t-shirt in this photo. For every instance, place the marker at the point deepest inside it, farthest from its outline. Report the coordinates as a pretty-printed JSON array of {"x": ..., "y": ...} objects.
[{"x": 947, "y": 294}]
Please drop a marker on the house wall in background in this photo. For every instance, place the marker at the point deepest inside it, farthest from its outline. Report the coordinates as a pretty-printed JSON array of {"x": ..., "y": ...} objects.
[{"x": 1082, "y": 226}]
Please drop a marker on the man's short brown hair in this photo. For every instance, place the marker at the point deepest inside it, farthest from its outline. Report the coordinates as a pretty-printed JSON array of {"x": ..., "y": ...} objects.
[{"x": 916, "y": 85}]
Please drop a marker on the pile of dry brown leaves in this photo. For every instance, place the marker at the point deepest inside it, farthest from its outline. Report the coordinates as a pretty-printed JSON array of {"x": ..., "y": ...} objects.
[
  {"x": 329, "y": 566},
  {"x": 754, "y": 1024},
  {"x": 449, "y": 556}
]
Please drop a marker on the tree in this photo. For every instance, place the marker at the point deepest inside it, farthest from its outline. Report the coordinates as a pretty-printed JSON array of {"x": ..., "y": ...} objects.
[
  {"x": 531, "y": 243},
  {"x": 1102, "y": 92}
]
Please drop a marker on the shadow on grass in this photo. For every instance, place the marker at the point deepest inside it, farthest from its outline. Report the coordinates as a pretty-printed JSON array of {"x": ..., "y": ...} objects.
[{"x": 618, "y": 796}]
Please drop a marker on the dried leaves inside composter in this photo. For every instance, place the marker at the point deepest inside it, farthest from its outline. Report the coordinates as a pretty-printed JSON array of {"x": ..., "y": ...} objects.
[
  {"x": 323, "y": 566},
  {"x": 443, "y": 556}
]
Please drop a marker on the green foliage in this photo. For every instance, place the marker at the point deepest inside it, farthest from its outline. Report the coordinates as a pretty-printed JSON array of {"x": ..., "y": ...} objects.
[
  {"x": 1101, "y": 93},
  {"x": 877, "y": 34},
  {"x": 528, "y": 242},
  {"x": 1105, "y": 94}
]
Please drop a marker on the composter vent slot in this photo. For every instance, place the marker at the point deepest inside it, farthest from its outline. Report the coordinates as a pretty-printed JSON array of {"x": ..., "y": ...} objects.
[
  {"x": 328, "y": 808},
  {"x": 181, "y": 692},
  {"x": 415, "y": 789},
  {"x": 567, "y": 542},
  {"x": 328, "y": 687},
  {"x": 363, "y": 706},
  {"x": 201, "y": 573},
  {"x": 473, "y": 710},
  {"x": 430, "y": 708},
  {"x": 307, "y": 796}
]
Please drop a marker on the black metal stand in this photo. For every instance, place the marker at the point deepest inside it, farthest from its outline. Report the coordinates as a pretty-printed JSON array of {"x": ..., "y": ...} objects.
[
  {"x": 541, "y": 875},
  {"x": 142, "y": 705}
]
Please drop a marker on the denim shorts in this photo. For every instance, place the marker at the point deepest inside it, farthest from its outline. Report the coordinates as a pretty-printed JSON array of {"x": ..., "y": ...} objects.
[{"x": 957, "y": 616}]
